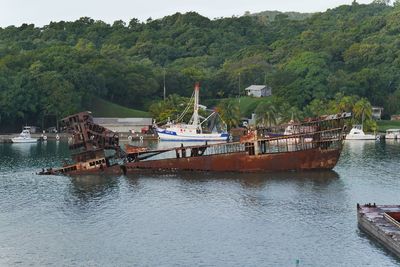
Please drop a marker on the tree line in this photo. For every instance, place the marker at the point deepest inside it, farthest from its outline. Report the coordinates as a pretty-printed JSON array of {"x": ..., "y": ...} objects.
[{"x": 54, "y": 70}]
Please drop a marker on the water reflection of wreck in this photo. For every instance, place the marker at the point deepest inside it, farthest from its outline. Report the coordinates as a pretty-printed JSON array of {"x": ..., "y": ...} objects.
[{"x": 313, "y": 144}]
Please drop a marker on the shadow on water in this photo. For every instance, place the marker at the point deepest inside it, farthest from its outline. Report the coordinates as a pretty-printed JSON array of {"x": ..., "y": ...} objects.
[
  {"x": 377, "y": 244},
  {"x": 87, "y": 189},
  {"x": 255, "y": 180}
]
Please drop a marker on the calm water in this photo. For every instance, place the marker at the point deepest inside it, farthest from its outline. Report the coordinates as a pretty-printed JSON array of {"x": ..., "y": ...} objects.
[{"x": 192, "y": 219}]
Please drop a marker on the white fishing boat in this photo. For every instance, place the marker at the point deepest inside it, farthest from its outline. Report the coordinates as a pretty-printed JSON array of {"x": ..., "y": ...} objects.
[
  {"x": 357, "y": 133},
  {"x": 392, "y": 134},
  {"x": 24, "y": 137},
  {"x": 193, "y": 131}
]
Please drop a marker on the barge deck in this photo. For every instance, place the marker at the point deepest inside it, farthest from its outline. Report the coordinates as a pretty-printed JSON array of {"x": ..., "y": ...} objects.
[{"x": 382, "y": 222}]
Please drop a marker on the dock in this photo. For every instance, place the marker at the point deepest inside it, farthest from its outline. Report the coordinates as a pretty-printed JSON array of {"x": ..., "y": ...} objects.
[
  {"x": 137, "y": 136},
  {"x": 382, "y": 222},
  {"x": 6, "y": 138}
]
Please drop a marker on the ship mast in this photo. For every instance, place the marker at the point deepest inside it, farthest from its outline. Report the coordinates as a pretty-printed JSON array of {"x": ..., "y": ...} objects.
[{"x": 196, "y": 105}]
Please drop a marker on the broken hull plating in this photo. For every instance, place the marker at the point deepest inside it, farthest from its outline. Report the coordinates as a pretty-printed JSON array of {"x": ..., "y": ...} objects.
[
  {"x": 115, "y": 169},
  {"x": 313, "y": 159},
  {"x": 315, "y": 149}
]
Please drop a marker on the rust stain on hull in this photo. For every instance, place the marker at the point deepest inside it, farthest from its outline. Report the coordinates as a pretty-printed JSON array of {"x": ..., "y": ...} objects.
[
  {"x": 116, "y": 169},
  {"x": 312, "y": 145},
  {"x": 242, "y": 162}
]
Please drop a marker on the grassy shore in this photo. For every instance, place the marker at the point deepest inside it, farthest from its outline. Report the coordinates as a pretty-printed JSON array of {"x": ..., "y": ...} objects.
[
  {"x": 383, "y": 125},
  {"x": 247, "y": 104},
  {"x": 103, "y": 108}
]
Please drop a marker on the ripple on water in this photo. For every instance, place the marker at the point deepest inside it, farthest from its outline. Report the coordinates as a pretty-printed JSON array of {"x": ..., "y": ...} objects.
[{"x": 190, "y": 218}]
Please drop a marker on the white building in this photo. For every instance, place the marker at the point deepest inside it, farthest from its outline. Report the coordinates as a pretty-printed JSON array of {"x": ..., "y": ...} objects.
[
  {"x": 377, "y": 113},
  {"x": 124, "y": 125},
  {"x": 259, "y": 90}
]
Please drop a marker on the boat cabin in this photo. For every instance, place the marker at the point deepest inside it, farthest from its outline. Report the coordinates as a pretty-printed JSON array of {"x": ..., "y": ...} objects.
[
  {"x": 392, "y": 134},
  {"x": 31, "y": 129},
  {"x": 357, "y": 129},
  {"x": 99, "y": 163}
]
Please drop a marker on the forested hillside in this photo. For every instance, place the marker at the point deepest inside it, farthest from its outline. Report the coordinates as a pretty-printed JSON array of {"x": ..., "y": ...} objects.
[
  {"x": 56, "y": 69},
  {"x": 271, "y": 15}
]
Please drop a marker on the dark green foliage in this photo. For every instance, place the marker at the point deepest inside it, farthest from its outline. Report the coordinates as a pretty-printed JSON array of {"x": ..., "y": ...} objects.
[
  {"x": 273, "y": 15},
  {"x": 58, "y": 68}
]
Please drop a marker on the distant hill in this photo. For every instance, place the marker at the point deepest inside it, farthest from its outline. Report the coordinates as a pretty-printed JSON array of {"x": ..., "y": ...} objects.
[
  {"x": 270, "y": 15},
  {"x": 103, "y": 108},
  {"x": 306, "y": 58}
]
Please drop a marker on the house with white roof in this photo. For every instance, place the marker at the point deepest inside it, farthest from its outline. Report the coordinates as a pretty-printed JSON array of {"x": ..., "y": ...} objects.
[{"x": 259, "y": 90}]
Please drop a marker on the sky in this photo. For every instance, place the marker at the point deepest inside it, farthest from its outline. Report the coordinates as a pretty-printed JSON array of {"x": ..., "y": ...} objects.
[{"x": 42, "y": 12}]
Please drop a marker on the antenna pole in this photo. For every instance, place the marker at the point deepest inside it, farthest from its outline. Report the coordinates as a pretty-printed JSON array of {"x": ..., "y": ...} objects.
[
  {"x": 196, "y": 105},
  {"x": 239, "y": 87},
  {"x": 164, "y": 85}
]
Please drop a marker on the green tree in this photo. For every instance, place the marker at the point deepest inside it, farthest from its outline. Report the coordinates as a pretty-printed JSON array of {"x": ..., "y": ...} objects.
[
  {"x": 266, "y": 114},
  {"x": 362, "y": 110},
  {"x": 316, "y": 108},
  {"x": 171, "y": 109},
  {"x": 229, "y": 112},
  {"x": 393, "y": 103}
]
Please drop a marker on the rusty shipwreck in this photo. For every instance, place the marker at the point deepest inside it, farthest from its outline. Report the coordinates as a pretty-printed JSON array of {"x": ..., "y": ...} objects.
[
  {"x": 312, "y": 144},
  {"x": 89, "y": 143}
]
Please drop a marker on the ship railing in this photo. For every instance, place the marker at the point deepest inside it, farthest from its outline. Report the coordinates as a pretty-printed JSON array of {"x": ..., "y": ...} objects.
[
  {"x": 327, "y": 139},
  {"x": 325, "y": 122},
  {"x": 388, "y": 216}
]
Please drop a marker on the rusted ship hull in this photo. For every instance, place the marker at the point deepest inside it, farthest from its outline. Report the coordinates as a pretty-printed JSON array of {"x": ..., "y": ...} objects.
[
  {"x": 95, "y": 166},
  {"x": 112, "y": 170},
  {"x": 313, "y": 145},
  {"x": 312, "y": 159}
]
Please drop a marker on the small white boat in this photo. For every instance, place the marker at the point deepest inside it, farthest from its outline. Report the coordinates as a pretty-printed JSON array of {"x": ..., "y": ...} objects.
[
  {"x": 192, "y": 131},
  {"x": 392, "y": 134},
  {"x": 24, "y": 137},
  {"x": 357, "y": 133}
]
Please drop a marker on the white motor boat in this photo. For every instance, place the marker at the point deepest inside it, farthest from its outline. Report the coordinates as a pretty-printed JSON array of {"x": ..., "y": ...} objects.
[
  {"x": 192, "y": 131},
  {"x": 24, "y": 137},
  {"x": 293, "y": 129},
  {"x": 357, "y": 133},
  {"x": 392, "y": 134}
]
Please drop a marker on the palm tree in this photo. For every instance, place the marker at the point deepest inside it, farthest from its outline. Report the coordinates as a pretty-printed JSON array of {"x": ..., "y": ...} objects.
[
  {"x": 290, "y": 113},
  {"x": 362, "y": 110},
  {"x": 229, "y": 112},
  {"x": 171, "y": 108},
  {"x": 266, "y": 114},
  {"x": 316, "y": 108},
  {"x": 346, "y": 104}
]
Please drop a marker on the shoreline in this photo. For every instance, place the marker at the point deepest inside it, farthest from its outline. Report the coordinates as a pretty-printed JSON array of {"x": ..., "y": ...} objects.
[{"x": 6, "y": 138}]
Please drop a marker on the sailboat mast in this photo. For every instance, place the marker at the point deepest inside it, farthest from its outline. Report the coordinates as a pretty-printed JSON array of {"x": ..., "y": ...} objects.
[{"x": 196, "y": 105}]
